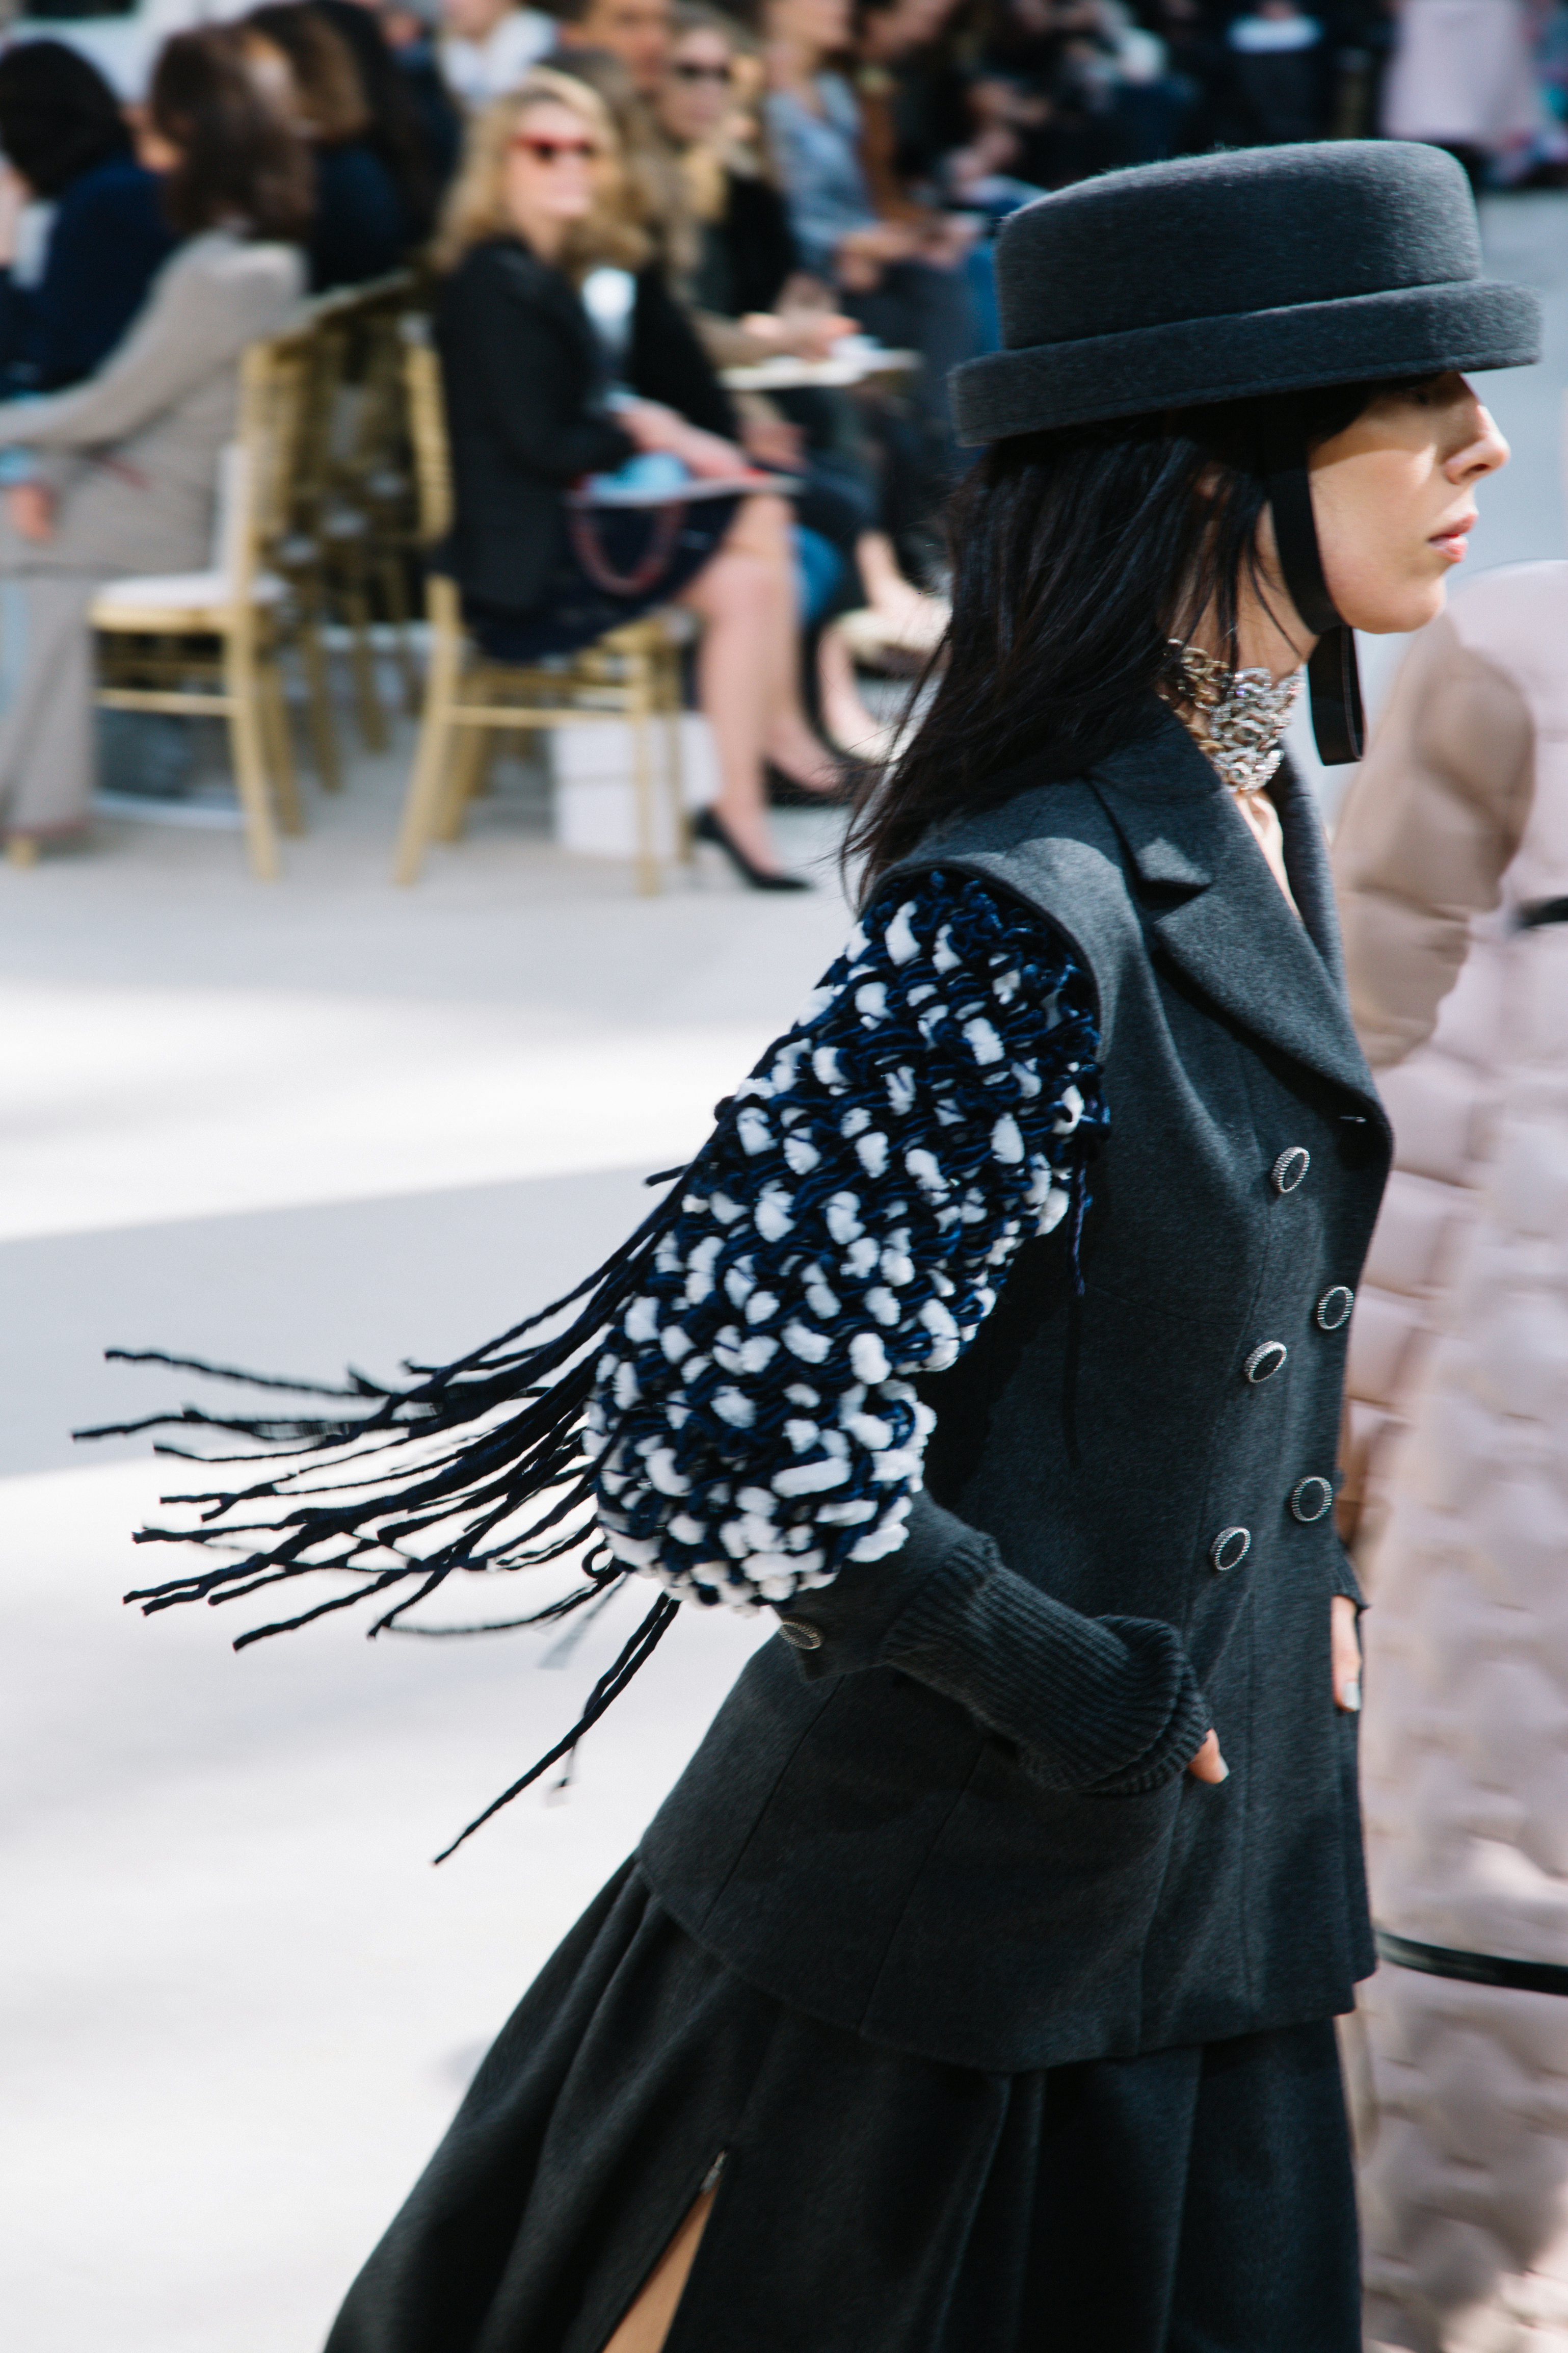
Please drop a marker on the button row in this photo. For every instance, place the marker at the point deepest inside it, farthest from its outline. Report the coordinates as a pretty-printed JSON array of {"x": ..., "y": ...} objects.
[
  {"x": 1268, "y": 1358},
  {"x": 1310, "y": 1499}
]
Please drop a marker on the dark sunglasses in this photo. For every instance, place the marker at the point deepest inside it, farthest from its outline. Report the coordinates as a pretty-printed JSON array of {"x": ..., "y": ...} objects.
[
  {"x": 688, "y": 72},
  {"x": 551, "y": 151}
]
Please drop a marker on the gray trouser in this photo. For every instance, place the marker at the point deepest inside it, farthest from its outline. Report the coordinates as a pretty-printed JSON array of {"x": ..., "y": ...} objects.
[
  {"x": 107, "y": 522},
  {"x": 48, "y": 746}
]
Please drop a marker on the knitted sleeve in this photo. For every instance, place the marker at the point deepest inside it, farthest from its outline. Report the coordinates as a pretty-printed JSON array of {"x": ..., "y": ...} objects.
[
  {"x": 755, "y": 1425},
  {"x": 845, "y": 1228}
]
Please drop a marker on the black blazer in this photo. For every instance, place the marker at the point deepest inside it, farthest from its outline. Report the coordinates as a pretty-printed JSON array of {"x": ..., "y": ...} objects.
[
  {"x": 748, "y": 252},
  {"x": 881, "y": 1829},
  {"x": 525, "y": 379}
]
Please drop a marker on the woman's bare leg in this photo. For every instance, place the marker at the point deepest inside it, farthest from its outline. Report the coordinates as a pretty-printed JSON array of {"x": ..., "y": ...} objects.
[
  {"x": 763, "y": 526},
  {"x": 646, "y": 2325},
  {"x": 851, "y": 726},
  {"x": 746, "y": 597}
]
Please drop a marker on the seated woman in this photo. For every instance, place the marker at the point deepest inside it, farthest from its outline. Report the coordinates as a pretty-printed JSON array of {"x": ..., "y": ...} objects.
[
  {"x": 419, "y": 164},
  {"x": 906, "y": 279},
  {"x": 122, "y": 468},
  {"x": 66, "y": 145},
  {"x": 753, "y": 303},
  {"x": 532, "y": 408},
  {"x": 361, "y": 227}
]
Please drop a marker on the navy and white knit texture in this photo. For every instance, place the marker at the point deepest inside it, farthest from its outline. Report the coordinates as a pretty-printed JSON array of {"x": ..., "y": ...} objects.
[{"x": 753, "y": 1421}]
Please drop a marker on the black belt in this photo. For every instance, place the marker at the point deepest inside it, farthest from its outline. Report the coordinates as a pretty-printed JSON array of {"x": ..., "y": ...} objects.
[
  {"x": 1475, "y": 1968},
  {"x": 1537, "y": 912}
]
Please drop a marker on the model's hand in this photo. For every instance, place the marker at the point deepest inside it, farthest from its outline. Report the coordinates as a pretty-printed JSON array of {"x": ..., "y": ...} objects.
[{"x": 1344, "y": 1649}]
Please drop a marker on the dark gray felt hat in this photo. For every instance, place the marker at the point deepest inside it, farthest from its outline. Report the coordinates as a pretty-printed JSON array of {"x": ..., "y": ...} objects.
[{"x": 1221, "y": 277}]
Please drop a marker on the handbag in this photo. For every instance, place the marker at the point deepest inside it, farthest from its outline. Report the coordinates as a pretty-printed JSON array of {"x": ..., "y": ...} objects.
[
  {"x": 663, "y": 486},
  {"x": 652, "y": 481}
]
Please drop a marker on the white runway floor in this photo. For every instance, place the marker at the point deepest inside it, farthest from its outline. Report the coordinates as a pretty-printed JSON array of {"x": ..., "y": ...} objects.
[{"x": 286, "y": 1127}]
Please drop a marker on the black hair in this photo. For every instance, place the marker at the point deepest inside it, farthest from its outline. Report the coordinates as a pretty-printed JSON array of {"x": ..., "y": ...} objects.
[
  {"x": 1078, "y": 555},
  {"x": 58, "y": 118},
  {"x": 239, "y": 161},
  {"x": 395, "y": 133}
]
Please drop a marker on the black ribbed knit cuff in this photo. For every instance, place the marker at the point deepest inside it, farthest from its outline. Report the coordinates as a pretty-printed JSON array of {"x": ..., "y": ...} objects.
[
  {"x": 1104, "y": 1706},
  {"x": 1107, "y": 1705}
]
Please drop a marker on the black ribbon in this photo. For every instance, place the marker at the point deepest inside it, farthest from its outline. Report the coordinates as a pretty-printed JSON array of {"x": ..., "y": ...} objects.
[
  {"x": 1472, "y": 1968},
  {"x": 1332, "y": 674}
]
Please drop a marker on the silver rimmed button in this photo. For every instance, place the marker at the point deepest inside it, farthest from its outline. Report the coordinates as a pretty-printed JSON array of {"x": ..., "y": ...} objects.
[
  {"x": 1310, "y": 1498},
  {"x": 1230, "y": 1548},
  {"x": 1289, "y": 1168},
  {"x": 1265, "y": 1360},
  {"x": 1334, "y": 1308},
  {"x": 799, "y": 1635}
]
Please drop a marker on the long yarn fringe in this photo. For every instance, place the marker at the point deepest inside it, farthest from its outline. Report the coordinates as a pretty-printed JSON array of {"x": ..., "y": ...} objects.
[{"x": 457, "y": 1455}]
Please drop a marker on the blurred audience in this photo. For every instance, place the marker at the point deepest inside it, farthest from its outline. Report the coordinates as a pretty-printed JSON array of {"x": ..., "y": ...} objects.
[
  {"x": 118, "y": 474},
  {"x": 1462, "y": 78},
  {"x": 488, "y": 46},
  {"x": 360, "y": 228},
  {"x": 396, "y": 131},
  {"x": 745, "y": 257},
  {"x": 905, "y": 280},
  {"x": 752, "y": 305},
  {"x": 565, "y": 355},
  {"x": 1279, "y": 66},
  {"x": 409, "y": 32},
  {"x": 634, "y": 32},
  {"x": 66, "y": 145},
  {"x": 1451, "y": 859}
]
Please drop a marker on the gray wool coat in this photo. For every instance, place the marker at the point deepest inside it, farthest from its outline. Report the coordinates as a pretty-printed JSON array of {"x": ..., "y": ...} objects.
[{"x": 1127, "y": 1522}]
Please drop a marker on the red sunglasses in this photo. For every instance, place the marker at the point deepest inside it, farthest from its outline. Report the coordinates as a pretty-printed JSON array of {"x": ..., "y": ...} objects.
[{"x": 551, "y": 151}]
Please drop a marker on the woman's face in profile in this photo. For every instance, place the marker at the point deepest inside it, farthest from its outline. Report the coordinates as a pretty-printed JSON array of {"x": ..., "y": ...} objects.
[{"x": 1393, "y": 499}]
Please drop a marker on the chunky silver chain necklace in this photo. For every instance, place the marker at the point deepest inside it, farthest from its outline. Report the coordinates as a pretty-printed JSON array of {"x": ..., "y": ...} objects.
[{"x": 1237, "y": 718}]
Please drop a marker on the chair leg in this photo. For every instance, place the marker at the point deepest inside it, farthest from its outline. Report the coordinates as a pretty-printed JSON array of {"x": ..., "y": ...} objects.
[
  {"x": 274, "y": 732},
  {"x": 426, "y": 786},
  {"x": 319, "y": 707},
  {"x": 249, "y": 759},
  {"x": 471, "y": 757},
  {"x": 371, "y": 718},
  {"x": 395, "y": 595},
  {"x": 668, "y": 680},
  {"x": 639, "y": 702}
]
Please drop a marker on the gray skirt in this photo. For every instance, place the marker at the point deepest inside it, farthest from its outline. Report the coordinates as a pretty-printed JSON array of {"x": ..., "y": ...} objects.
[{"x": 1190, "y": 2200}]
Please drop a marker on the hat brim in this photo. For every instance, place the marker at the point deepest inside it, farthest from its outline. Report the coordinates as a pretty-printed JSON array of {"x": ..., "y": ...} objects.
[{"x": 1407, "y": 330}]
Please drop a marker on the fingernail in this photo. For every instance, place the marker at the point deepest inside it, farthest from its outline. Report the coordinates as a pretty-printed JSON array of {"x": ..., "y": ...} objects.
[
  {"x": 1351, "y": 1700},
  {"x": 1224, "y": 1770}
]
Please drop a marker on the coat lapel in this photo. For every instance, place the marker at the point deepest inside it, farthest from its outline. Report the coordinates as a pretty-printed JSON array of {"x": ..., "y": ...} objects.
[{"x": 1212, "y": 904}]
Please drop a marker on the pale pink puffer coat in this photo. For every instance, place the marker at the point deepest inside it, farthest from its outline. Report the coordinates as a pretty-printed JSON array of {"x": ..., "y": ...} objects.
[{"x": 1458, "y": 1461}]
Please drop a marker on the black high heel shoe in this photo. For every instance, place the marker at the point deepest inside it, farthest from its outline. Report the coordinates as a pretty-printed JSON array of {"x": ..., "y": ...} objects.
[{"x": 709, "y": 826}]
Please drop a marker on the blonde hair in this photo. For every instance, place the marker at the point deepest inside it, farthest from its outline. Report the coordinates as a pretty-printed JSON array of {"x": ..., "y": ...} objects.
[{"x": 476, "y": 206}]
